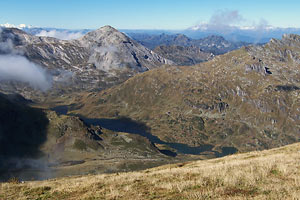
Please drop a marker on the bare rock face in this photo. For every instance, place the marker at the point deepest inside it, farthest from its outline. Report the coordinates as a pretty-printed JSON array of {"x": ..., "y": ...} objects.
[
  {"x": 111, "y": 49},
  {"x": 99, "y": 59}
]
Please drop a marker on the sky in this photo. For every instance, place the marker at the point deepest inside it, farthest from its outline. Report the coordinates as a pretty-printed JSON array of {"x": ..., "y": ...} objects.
[{"x": 151, "y": 14}]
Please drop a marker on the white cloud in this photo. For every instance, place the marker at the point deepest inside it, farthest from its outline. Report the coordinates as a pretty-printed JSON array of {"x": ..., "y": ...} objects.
[
  {"x": 20, "y": 26},
  {"x": 104, "y": 57},
  {"x": 105, "y": 50},
  {"x": 228, "y": 20},
  {"x": 18, "y": 68},
  {"x": 14, "y": 66},
  {"x": 262, "y": 25},
  {"x": 7, "y": 47},
  {"x": 63, "y": 35},
  {"x": 225, "y": 18},
  {"x": 63, "y": 76}
]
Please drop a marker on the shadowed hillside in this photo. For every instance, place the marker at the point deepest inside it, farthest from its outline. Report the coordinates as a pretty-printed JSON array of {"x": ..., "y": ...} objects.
[
  {"x": 22, "y": 132},
  {"x": 37, "y": 144}
]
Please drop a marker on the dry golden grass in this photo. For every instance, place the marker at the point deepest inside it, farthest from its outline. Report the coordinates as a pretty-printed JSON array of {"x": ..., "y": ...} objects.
[{"x": 270, "y": 174}]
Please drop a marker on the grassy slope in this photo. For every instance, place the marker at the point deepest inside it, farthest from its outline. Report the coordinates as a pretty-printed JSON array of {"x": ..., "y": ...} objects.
[
  {"x": 217, "y": 102},
  {"x": 270, "y": 174}
]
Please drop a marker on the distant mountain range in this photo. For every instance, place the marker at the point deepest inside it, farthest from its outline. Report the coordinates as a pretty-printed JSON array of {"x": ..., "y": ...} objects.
[
  {"x": 231, "y": 33},
  {"x": 251, "y": 34},
  {"x": 255, "y": 35},
  {"x": 184, "y": 50},
  {"x": 211, "y": 44}
]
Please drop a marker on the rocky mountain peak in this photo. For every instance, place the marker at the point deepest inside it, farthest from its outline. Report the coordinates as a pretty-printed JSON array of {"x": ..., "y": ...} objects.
[
  {"x": 111, "y": 49},
  {"x": 107, "y": 27},
  {"x": 106, "y": 34}
]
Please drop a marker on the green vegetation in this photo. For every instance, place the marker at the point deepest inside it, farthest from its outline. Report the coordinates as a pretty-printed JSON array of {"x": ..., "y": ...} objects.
[{"x": 80, "y": 145}]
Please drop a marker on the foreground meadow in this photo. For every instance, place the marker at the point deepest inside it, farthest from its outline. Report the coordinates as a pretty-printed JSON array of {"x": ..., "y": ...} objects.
[{"x": 270, "y": 174}]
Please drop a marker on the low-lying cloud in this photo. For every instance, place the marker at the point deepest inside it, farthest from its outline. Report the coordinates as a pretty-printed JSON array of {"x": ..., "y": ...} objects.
[
  {"x": 105, "y": 50},
  {"x": 63, "y": 35},
  {"x": 19, "y": 68},
  {"x": 104, "y": 57},
  {"x": 7, "y": 47},
  {"x": 16, "y": 67},
  {"x": 63, "y": 76}
]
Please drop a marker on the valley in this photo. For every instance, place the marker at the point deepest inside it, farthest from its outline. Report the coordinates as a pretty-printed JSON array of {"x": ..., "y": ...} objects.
[
  {"x": 116, "y": 106},
  {"x": 149, "y": 100}
]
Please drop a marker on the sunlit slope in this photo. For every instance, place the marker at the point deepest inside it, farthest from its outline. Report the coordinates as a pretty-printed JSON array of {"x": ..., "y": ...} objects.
[
  {"x": 270, "y": 174},
  {"x": 247, "y": 99}
]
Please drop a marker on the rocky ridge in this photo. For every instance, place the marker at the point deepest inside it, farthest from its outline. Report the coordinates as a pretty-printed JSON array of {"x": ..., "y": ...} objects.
[
  {"x": 247, "y": 99},
  {"x": 99, "y": 59}
]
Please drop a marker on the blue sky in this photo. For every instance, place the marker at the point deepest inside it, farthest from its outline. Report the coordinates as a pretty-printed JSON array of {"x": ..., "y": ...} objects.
[{"x": 139, "y": 14}]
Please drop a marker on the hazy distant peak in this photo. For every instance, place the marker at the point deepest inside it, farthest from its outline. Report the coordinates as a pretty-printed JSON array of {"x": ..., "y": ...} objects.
[{"x": 181, "y": 37}]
